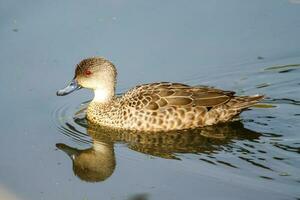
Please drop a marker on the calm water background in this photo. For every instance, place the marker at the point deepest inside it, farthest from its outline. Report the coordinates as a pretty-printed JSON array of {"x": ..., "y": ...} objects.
[{"x": 233, "y": 45}]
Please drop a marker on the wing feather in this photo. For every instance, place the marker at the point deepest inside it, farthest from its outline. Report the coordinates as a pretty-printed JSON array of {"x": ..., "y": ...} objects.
[{"x": 162, "y": 95}]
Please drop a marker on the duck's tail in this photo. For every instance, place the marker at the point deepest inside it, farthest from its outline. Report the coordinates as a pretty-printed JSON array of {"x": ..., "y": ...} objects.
[{"x": 243, "y": 102}]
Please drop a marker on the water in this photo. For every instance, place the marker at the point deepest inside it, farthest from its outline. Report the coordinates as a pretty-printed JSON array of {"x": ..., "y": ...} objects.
[{"x": 249, "y": 47}]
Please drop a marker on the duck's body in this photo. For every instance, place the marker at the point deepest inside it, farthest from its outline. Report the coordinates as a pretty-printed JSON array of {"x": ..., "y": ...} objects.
[
  {"x": 158, "y": 106},
  {"x": 168, "y": 106}
]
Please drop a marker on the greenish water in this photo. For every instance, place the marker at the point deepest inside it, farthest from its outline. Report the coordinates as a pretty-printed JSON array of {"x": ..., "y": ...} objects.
[{"x": 249, "y": 47}]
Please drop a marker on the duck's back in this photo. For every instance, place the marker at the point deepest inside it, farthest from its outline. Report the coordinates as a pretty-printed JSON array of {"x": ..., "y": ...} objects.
[{"x": 170, "y": 106}]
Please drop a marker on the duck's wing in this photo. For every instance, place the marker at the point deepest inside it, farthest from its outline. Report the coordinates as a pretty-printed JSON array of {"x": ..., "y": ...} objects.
[{"x": 162, "y": 95}]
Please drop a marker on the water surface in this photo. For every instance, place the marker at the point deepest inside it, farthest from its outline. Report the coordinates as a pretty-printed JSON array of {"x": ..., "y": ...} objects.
[{"x": 249, "y": 47}]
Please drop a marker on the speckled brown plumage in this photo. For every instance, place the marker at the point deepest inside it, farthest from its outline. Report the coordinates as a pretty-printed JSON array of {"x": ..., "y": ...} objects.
[
  {"x": 169, "y": 106},
  {"x": 157, "y": 106}
]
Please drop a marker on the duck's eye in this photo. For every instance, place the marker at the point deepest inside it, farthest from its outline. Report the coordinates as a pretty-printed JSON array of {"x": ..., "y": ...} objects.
[{"x": 87, "y": 72}]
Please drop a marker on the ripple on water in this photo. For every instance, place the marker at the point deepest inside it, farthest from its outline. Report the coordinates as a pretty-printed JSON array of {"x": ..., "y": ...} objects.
[
  {"x": 70, "y": 121},
  {"x": 283, "y": 68}
]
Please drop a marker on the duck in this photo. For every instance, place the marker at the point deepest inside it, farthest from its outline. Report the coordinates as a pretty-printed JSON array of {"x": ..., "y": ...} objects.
[{"x": 153, "y": 107}]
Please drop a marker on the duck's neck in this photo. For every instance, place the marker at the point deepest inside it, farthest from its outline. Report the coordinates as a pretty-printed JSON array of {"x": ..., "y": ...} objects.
[{"x": 103, "y": 95}]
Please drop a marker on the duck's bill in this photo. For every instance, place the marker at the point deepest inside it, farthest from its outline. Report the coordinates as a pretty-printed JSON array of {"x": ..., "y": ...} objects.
[{"x": 73, "y": 86}]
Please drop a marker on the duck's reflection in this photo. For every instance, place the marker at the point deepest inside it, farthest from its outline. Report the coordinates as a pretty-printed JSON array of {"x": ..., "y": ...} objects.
[
  {"x": 98, "y": 162},
  {"x": 94, "y": 164}
]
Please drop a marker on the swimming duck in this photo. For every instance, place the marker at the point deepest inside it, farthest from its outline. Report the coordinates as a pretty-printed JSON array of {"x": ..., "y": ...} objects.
[{"x": 153, "y": 107}]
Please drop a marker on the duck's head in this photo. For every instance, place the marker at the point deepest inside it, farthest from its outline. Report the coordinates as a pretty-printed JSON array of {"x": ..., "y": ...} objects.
[{"x": 94, "y": 73}]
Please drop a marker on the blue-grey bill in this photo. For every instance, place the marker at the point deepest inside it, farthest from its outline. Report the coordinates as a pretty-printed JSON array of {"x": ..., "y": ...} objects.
[{"x": 70, "y": 88}]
